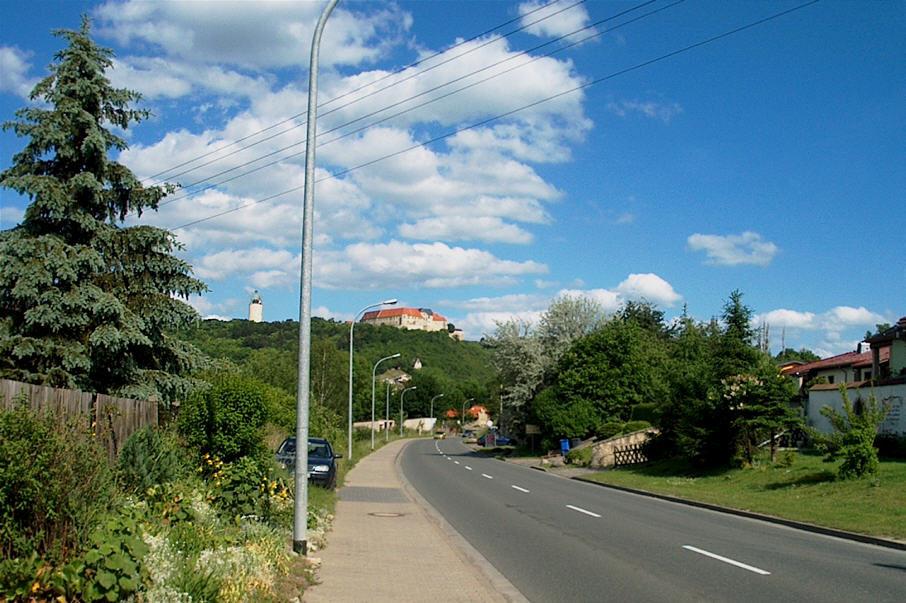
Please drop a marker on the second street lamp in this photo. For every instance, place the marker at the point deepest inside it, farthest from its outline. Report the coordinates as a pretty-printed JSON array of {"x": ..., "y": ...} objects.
[
  {"x": 402, "y": 395},
  {"x": 432, "y": 408},
  {"x": 386, "y": 302},
  {"x": 373, "y": 373}
]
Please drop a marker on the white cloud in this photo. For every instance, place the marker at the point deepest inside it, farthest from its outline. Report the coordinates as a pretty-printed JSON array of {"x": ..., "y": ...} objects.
[
  {"x": 267, "y": 267},
  {"x": 651, "y": 109},
  {"x": 733, "y": 250},
  {"x": 462, "y": 228},
  {"x": 10, "y": 215},
  {"x": 650, "y": 287},
  {"x": 397, "y": 264},
  {"x": 14, "y": 68},
  {"x": 841, "y": 327},
  {"x": 253, "y": 34},
  {"x": 549, "y": 19},
  {"x": 788, "y": 318}
]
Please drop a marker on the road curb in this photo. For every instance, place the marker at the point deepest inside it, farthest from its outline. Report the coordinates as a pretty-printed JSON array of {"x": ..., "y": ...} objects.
[{"x": 892, "y": 544}]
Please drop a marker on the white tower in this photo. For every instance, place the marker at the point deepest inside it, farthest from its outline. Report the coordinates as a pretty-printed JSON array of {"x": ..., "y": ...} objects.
[{"x": 256, "y": 308}]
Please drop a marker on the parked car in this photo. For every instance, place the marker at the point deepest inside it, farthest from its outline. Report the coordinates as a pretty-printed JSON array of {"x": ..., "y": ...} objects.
[
  {"x": 499, "y": 440},
  {"x": 322, "y": 460}
]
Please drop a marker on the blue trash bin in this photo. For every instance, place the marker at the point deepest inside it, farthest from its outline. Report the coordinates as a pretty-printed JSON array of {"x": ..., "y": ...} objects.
[{"x": 564, "y": 447}]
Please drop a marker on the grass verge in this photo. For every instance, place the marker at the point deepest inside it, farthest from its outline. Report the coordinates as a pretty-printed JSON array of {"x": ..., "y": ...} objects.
[{"x": 803, "y": 488}]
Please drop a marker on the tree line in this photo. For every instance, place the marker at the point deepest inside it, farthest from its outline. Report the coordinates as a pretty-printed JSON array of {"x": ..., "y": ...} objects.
[{"x": 711, "y": 392}]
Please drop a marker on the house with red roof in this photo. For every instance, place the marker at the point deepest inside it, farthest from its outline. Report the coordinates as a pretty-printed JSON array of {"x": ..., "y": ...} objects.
[
  {"x": 422, "y": 319},
  {"x": 879, "y": 371}
]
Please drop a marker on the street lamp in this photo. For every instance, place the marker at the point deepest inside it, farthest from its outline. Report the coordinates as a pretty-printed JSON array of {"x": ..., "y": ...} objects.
[
  {"x": 387, "y": 416},
  {"x": 300, "y": 475},
  {"x": 387, "y": 302},
  {"x": 432, "y": 406},
  {"x": 401, "y": 407},
  {"x": 373, "y": 373},
  {"x": 462, "y": 417}
]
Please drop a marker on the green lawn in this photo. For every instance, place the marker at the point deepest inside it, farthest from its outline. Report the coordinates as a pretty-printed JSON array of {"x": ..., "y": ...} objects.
[{"x": 807, "y": 490}]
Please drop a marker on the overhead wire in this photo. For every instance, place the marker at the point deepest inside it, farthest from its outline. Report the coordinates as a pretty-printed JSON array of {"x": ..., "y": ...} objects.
[
  {"x": 486, "y": 121},
  {"x": 591, "y": 26},
  {"x": 386, "y": 76}
]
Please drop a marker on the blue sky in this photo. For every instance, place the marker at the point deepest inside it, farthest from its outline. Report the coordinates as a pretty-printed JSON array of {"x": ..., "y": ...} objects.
[{"x": 610, "y": 163}]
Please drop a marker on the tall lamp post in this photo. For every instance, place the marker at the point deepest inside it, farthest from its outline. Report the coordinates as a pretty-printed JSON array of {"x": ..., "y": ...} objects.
[
  {"x": 402, "y": 395},
  {"x": 432, "y": 407},
  {"x": 300, "y": 508},
  {"x": 373, "y": 374},
  {"x": 387, "y": 416},
  {"x": 462, "y": 419},
  {"x": 386, "y": 302}
]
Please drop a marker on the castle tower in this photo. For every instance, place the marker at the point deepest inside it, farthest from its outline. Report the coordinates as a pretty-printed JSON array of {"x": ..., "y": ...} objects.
[{"x": 256, "y": 308}]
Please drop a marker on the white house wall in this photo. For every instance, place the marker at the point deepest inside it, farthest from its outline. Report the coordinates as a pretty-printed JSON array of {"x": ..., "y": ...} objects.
[{"x": 892, "y": 395}]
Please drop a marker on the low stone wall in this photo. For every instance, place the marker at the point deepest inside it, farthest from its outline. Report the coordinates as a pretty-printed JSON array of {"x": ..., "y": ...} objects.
[{"x": 603, "y": 452}]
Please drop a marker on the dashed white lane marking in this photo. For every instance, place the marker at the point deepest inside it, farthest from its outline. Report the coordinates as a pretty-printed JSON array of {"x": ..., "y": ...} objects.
[
  {"x": 469, "y": 468},
  {"x": 727, "y": 560},
  {"x": 457, "y": 462},
  {"x": 515, "y": 487},
  {"x": 581, "y": 510},
  {"x": 487, "y": 476}
]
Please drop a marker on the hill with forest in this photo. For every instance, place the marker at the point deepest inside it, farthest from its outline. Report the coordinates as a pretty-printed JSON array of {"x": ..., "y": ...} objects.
[{"x": 269, "y": 351}]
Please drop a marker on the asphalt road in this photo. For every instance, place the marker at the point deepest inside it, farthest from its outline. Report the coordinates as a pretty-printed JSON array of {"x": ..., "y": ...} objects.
[{"x": 562, "y": 540}]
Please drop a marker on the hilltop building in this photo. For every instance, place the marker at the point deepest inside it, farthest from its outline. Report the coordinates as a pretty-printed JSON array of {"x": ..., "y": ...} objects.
[
  {"x": 421, "y": 319},
  {"x": 256, "y": 308}
]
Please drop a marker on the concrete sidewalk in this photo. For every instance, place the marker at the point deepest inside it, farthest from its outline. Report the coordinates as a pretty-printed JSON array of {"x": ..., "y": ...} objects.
[{"x": 388, "y": 544}]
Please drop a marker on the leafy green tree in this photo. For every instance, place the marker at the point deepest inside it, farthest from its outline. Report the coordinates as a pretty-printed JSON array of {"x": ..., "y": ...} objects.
[
  {"x": 84, "y": 303},
  {"x": 613, "y": 369},
  {"x": 760, "y": 407},
  {"x": 225, "y": 420},
  {"x": 803, "y": 355},
  {"x": 735, "y": 353}
]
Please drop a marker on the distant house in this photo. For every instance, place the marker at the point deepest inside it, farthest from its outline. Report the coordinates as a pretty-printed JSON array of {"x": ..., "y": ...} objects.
[
  {"x": 879, "y": 371},
  {"x": 850, "y": 367},
  {"x": 421, "y": 319}
]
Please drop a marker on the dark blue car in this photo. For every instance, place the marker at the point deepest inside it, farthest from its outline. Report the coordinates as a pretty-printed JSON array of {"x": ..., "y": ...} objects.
[{"x": 322, "y": 460}]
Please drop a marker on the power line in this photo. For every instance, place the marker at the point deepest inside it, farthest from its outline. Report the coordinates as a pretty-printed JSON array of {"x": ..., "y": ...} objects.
[
  {"x": 516, "y": 110},
  {"x": 592, "y": 26},
  {"x": 360, "y": 88}
]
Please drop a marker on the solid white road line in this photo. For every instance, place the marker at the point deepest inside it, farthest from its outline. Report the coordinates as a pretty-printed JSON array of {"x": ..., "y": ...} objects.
[
  {"x": 514, "y": 487},
  {"x": 726, "y": 560},
  {"x": 486, "y": 475},
  {"x": 581, "y": 510}
]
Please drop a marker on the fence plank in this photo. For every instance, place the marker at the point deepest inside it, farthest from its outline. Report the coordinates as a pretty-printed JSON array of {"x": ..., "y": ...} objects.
[{"x": 115, "y": 418}]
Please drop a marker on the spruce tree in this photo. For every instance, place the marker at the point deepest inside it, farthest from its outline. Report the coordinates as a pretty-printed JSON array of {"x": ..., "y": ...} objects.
[{"x": 85, "y": 302}]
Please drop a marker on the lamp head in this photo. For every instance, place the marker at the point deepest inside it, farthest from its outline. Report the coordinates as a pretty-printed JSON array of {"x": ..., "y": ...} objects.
[{"x": 389, "y": 302}]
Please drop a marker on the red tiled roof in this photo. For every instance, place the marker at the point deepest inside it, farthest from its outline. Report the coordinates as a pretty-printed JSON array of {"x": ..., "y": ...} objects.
[{"x": 854, "y": 359}]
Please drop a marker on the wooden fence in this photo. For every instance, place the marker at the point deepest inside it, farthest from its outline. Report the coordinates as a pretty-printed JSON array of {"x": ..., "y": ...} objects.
[
  {"x": 629, "y": 455},
  {"x": 111, "y": 419}
]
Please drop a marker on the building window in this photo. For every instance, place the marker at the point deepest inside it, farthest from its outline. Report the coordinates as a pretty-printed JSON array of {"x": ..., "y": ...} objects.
[{"x": 830, "y": 379}]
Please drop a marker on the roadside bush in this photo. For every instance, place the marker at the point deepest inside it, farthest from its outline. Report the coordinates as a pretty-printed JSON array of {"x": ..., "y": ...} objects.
[
  {"x": 854, "y": 435},
  {"x": 609, "y": 429},
  {"x": 148, "y": 458},
  {"x": 225, "y": 420},
  {"x": 634, "y": 426},
  {"x": 580, "y": 457},
  {"x": 55, "y": 484}
]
